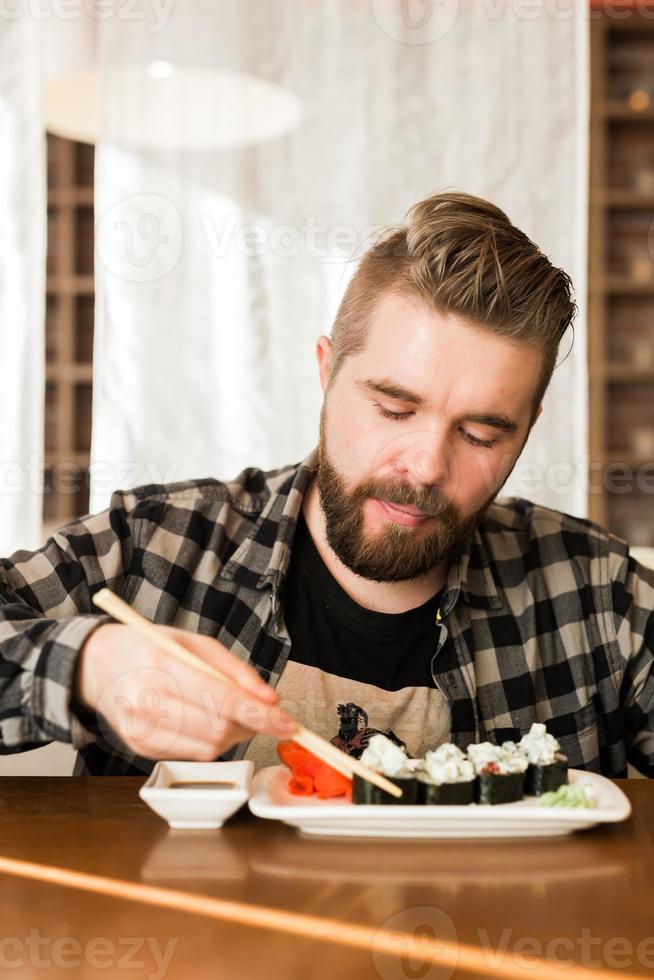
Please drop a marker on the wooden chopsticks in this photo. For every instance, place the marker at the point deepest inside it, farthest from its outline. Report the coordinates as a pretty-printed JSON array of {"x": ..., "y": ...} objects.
[{"x": 112, "y": 604}]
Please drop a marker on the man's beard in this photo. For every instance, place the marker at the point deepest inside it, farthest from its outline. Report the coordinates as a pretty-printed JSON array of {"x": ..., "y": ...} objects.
[{"x": 397, "y": 553}]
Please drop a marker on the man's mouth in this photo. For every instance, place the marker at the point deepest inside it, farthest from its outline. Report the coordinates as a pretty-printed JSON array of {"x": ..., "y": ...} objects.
[{"x": 401, "y": 513}]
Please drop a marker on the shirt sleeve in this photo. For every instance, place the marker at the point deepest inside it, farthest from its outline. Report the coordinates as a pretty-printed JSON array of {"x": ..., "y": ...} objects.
[
  {"x": 46, "y": 615},
  {"x": 632, "y": 589}
]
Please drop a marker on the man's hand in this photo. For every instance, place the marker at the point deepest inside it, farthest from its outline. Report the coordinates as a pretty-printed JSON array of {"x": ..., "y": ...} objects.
[{"x": 163, "y": 709}]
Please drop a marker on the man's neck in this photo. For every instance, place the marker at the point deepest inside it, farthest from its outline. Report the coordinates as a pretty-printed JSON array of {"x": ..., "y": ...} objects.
[{"x": 388, "y": 597}]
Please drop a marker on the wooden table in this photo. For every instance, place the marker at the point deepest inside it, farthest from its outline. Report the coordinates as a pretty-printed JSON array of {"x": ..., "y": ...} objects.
[{"x": 587, "y": 900}]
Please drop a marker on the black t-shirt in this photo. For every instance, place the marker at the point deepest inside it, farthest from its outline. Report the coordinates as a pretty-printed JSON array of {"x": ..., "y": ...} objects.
[
  {"x": 375, "y": 665},
  {"x": 332, "y": 632}
]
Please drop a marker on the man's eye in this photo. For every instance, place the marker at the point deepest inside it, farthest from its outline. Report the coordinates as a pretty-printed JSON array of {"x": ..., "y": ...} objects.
[
  {"x": 398, "y": 416},
  {"x": 474, "y": 441}
]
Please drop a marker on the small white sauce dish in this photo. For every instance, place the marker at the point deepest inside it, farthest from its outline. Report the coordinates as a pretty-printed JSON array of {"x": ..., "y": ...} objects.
[{"x": 197, "y": 795}]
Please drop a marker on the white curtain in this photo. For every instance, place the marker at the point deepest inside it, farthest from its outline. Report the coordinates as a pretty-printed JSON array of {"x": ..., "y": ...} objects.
[
  {"x": 229, "y": 219},
  {"x": 22, "y": 281}
]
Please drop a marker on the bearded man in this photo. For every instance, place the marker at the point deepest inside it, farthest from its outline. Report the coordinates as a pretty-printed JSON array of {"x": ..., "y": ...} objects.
[{"x": 381, "y": 572}]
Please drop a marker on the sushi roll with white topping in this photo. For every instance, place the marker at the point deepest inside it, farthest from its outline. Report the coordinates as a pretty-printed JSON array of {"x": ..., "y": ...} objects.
[
  {"x": 391, "y": 761},
  {"x": 548, "y": 767},
  {"x": 500, "y": 771},
  {"x": 446, "y": 778}
]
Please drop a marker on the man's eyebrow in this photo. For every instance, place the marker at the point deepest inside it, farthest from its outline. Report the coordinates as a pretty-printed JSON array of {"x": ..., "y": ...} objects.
[
  {"x": 494, "y": 421},
  {"x": 392, "y": 390}
]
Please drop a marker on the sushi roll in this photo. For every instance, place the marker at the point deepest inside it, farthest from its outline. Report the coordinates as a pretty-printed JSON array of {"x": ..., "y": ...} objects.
[
  {"x": 446, "y": 778},
  {"x": 391, "y": 761},
  {"x": 548, "y": 767},
  {"x": 500, "y": 771}
]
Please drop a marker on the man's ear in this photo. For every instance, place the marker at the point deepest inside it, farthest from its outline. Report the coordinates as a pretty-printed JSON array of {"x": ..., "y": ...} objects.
[{"x": 324, "y": 350}]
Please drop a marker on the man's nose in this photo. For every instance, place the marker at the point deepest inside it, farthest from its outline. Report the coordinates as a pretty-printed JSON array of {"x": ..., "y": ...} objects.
[{"x": 427, "y": 460}]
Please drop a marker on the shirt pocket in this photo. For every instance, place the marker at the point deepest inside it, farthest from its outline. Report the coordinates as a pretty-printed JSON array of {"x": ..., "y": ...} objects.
[{"x": 578, "y": 735}]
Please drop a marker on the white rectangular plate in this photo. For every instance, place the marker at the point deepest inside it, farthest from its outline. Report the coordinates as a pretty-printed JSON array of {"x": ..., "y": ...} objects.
[{"x": 271, "y": 800}]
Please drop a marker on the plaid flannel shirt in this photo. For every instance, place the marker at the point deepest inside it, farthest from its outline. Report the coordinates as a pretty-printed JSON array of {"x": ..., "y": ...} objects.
[{"x": 546, "y": 617}]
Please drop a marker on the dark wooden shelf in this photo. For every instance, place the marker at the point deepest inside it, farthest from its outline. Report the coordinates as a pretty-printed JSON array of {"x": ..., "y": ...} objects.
[
  {"x": 624, "y": 286},
  {"x": 69, "y": 372},
  {"x": 623, "y": 23},
  {"x": 629, "y": 372},
  {"x": 71, "y": 285},
  {"x": 59, "y": 197},
  {"x": 620, "y": 306},
  {"x": 628, "y": 458},
  {"x": 622, "y": 112},
  {"x": 70, "y": 288},
  {"x": 622, "y": 373},
  {"x": 623, "y": 199},
  {"x": 67, "y": 457}
]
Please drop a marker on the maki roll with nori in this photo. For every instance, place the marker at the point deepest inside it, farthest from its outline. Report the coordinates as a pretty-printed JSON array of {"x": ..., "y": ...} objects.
[
  {"x": 391, "y": 761},
  {"x": 446, "y": 778},
  {"x": 548, "y": 767},
  {"x": 500, "y": 771}
]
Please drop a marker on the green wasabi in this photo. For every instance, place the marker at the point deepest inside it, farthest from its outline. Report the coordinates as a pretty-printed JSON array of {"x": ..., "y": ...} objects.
[{"x": 569, "y": 796}]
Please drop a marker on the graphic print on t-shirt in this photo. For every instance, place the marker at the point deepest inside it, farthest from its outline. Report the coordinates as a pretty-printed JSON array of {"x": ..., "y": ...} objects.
[{"x": 354, "y": 732}]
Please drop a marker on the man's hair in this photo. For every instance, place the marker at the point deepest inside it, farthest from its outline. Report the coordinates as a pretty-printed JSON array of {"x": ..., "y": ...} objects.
[{"x": 460, "y": 254}]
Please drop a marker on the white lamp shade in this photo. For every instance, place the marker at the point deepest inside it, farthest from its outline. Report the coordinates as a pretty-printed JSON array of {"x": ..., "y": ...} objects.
[{"x": 218, "y": 110}]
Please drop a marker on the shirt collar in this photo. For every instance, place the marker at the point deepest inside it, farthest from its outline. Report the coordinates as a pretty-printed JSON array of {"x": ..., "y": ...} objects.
[
  {"x": 470, "y": 575},
  {"x": 263, "y": 557}
]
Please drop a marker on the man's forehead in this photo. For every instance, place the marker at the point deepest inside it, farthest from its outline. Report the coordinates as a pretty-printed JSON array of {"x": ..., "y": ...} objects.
[
  {"x": 393, "y": 311},
  {"x": 398, "y": 319}
]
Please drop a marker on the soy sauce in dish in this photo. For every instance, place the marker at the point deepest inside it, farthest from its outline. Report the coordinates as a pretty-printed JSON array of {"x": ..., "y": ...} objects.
[{"x": 202, "y": 784}]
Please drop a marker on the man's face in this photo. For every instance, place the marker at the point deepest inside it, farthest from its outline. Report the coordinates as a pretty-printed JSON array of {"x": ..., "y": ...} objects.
[{"x": 418, "y": 434}]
